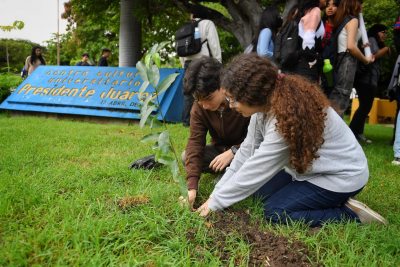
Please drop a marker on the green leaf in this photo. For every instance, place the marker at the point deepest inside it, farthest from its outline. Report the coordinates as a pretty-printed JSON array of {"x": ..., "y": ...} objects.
[
  {"x": 142, "y": 71},
  {"x": 182, "y": 185},
  {"x": 157, "y": 60},
  {"x": 166, "y": 83},
  {"x": 145, "y": 114},
  {"x": 174, "y": 170},
  {"x": 154, "y": 49},
  {"x": 165, "y": 159},
  {"x": 164, "y": 142},
  {"x": 147, "y": 60},
  {"x": 162, "y": 45},
  {"x": 153, "y": 137},
  {"x": 154, "y": 75},
  {"x": 155, "y": 123},
  {"x": 144, "y": 86}
]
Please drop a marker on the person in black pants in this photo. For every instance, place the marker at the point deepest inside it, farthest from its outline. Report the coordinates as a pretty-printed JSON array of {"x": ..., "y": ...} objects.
[{"x": 366, "y": 81}]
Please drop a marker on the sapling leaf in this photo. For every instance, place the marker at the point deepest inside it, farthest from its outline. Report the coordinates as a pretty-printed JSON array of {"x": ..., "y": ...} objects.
[
  {"x": 164, "y": 142},
  {"x": 153, "y": 137},
  {"x": 144, "y": 86},
  {"x": 161, "y": 46},
  {"x": 142, "y": 71},
  {"x": 166, "y": 83},
  {"x": 157, "y": 60},
  {"x": 146, "y": 104},
  {"x": 147, "y": 60},
  {"x": 154, "y": 75},
  {"x": 154, "y": 49},
  {"x": 146, "y": 113},
  {"x": 155, "y": 123},
  {"x": 174, "y": 170}
]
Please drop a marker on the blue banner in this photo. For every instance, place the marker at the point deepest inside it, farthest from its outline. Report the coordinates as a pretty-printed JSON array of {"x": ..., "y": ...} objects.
[{"x": 93, "y": 91}]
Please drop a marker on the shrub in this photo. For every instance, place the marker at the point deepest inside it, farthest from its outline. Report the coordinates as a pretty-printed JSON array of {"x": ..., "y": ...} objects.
[{"x": 8, "y": 82}]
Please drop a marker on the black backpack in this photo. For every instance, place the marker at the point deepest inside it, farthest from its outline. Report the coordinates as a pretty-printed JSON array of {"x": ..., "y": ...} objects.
[
  {"x": 330, "y": 51},
  {"x": 185, "y": 42},
  {"x": 286, "y": 45}
]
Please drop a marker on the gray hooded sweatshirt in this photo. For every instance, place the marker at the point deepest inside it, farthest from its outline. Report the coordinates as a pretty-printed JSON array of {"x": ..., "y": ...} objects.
[{"x": 340, "y": 167}]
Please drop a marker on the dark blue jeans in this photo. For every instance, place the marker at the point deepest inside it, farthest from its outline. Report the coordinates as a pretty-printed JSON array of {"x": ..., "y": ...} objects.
[{"x": 286, "y": 200}]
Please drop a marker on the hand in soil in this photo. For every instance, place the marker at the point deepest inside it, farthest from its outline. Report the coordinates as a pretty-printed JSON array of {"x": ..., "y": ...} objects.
[
  {"x": 204, "y": 210},
  {"x": 189, "y": 201}
]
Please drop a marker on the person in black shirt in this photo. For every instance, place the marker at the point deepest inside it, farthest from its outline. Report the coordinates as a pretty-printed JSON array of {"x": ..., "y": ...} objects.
[
  {"x": 105, "y": 54},
  {"x": 84, "y": 61}
]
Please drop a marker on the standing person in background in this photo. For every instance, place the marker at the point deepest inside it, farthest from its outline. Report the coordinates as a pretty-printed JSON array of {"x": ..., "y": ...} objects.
[
  {"x": 348, "y": 54},
  {"x": 327, "y": 19},
  {"x": 396, "y": 145},
  {"x": 311, "y": 31},
  {"x": 366, "y": 80},
  {"x": 270, "y": 21},
  {"x": 34, "y": 60},
  {"x": 84, "y": 61},
  {"x": 396, "y": 34},
  {"x": 105, "y": 54},
  {"x": 330, "y": 12},
  {"x": 210, "y": 48}
]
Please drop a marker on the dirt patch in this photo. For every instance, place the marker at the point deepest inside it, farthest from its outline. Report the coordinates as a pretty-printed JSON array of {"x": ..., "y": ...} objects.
[
  {"x": 267, "y": 249},
  {"x": 129, "y": 202}
]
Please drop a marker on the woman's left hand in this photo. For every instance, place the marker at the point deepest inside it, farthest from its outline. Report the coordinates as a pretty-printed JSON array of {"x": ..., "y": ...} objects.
[{"x": 203, "y": 210}]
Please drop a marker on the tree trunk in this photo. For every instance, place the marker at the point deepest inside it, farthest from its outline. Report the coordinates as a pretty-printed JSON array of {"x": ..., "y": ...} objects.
[
  {"x": 129, "y": 35},
  {"x": 8, "y": 57}
]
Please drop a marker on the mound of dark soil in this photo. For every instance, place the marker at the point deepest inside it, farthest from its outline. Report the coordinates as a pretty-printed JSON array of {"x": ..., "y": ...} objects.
[{"x": 267, "y": 249}]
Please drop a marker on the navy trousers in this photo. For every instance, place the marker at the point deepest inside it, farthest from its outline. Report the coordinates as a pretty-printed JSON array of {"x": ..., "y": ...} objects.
[{"x": 286, "y": 200}]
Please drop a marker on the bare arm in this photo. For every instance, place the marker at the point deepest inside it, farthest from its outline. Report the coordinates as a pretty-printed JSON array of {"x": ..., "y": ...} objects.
[{"x": 352, "y": 28}]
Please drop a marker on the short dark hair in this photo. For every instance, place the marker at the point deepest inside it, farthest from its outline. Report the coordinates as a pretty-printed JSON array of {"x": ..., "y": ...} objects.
[
  {"x": 202, "y": 77},
  {"x": 85, "y": 55},
  {"x": 105, "y": 50}
]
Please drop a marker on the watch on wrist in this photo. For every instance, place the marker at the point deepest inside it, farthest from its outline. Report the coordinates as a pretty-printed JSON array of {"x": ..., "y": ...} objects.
[{"x": 234, "y": 150}]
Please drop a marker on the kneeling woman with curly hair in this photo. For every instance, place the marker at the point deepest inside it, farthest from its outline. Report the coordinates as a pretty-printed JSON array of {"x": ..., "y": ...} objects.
[{"x": 292, "y": 127}]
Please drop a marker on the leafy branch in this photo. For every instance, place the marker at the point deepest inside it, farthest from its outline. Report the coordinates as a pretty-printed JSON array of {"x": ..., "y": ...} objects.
[{"x": 165, "y": 152}]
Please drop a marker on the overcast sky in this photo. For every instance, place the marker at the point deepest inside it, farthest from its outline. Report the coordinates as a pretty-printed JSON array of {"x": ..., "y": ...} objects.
[{"x": 39, "y": 16}]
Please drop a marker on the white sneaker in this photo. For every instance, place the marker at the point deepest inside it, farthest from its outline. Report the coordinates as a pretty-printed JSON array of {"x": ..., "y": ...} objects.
[
  {"x": 364, "y": 213},
  {"x": 396, "y": 161}
]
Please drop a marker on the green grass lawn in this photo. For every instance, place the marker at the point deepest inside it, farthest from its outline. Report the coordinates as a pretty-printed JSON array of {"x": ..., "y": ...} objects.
[{"x": 61, "y": 180}]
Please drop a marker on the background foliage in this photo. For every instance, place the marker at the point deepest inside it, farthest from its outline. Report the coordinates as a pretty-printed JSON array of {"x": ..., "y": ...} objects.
[
  {"x": 94, "y": 25},
  {"x": 8, "y": 82}
]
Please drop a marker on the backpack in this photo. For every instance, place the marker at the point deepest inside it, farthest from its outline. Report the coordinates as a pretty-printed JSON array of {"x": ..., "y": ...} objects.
[
  {"x": 287, "y": 42},
  {"x": 186, "y": 43},
  {"x": 330, "y": 51}
]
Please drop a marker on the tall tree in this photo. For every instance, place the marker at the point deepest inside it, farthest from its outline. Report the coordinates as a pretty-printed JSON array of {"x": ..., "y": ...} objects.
[{"x": 130, "y": 35}]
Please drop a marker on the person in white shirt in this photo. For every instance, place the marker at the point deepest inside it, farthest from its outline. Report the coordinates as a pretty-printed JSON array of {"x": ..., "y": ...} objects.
[
  {"x": 293, "y": 127},
  {"x": 348, "y": 54},
  {"x": 210, "y": 48}
]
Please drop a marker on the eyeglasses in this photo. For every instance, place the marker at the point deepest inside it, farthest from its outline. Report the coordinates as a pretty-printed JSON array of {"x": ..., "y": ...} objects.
[{"x": 231, "y": 101}]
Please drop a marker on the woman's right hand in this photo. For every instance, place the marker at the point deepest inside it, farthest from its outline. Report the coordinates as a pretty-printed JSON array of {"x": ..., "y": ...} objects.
[
  {"x": 192, "y": 193},
  {"x": 369, "y": 60}
]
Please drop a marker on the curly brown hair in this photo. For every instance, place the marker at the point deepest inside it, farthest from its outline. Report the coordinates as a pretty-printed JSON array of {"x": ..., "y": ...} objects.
[{"x": 298, "y": 104}]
